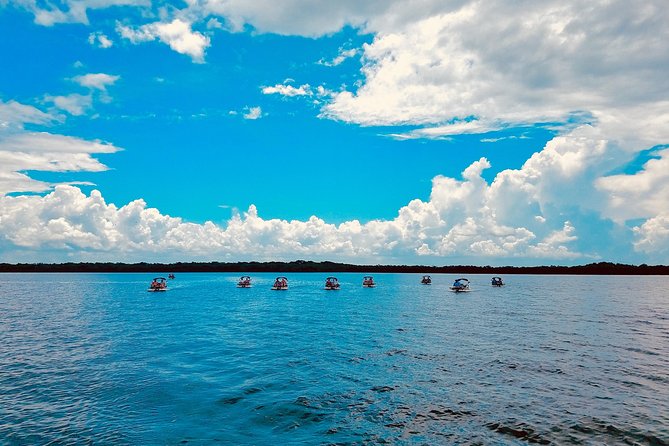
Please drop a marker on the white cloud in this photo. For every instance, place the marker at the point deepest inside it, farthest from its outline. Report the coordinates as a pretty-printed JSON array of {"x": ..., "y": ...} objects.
[
  {"x": 98, "y": 81},
  {"x": 652, "y": 237},
  {"x": 22, "y": 151},
  {"x": 340, "y": 58},
  {"x": 252, "y": 113},
  {"x": 455, "y": 128},
  {"x": 75, "y": 104},
  {"x": 523, "y": 214},
  {"x": 14, "y": 114},
  {"x": 644, "y": 194},
  {"x": 177, "y": 34},
  {"x": 214, "y": 23},
  {"x": 74, "y": 11},
  {"x": 516, "y": 63},
  {"x": 288, "y": 90},
  {"x": 100, "y": 40},
  {"x": 461, "y": 221}
]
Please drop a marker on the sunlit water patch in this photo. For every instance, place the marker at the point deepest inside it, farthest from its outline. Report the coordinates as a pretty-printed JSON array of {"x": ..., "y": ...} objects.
[{"x": 95, "y": 358}]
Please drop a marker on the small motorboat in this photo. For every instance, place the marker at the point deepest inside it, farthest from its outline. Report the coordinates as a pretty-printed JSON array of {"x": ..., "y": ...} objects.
[
  {"x": 497, "y": 281},
  {"x": 244, "y": 282},
  {"x": 158, "y": 284},
  {"x": 427, "y": 280},
  {"x": 281, "y": 283},
  {"x": 460, "y": 285},
  {"x": 331, "y": 283},
  {"x": 170, "y": 276},
  {"x": 368, "y": 282}
]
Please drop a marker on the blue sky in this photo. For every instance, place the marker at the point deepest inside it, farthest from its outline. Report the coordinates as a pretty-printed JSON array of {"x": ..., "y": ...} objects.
[{"x": 226, "y": 130}]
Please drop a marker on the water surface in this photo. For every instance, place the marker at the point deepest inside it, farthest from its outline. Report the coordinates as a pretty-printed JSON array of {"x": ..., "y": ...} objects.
[{"x": 94, "y": 358}]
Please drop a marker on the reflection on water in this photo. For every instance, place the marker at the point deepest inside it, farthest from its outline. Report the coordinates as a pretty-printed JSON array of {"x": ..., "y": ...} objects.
[{"x": 545, "y": 360}]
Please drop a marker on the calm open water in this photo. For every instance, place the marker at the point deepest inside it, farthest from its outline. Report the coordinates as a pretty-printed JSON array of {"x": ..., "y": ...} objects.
[{"x": 95, "y": 359}]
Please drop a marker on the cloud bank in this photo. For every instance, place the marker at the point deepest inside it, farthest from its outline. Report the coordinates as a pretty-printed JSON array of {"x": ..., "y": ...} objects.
[{"x": 521, "y": 216}]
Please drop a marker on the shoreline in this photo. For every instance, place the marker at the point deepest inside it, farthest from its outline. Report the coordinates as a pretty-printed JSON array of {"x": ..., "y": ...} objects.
[{"x": 302, "y": 266}]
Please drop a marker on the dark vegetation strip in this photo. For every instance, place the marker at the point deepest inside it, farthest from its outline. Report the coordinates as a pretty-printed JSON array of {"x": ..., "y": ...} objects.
[{"x": 602, "y": 268}]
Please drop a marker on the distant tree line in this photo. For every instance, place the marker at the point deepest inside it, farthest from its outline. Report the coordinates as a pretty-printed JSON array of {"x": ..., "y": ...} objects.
[{"x": 601, "y": 268}]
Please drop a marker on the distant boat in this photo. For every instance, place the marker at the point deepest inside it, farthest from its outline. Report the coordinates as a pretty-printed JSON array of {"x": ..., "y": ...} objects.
[
  {"x": 158, "y": 284},
  {"x": 170, "y": 276},
  {"x": 427, "y": 280},
  {"x": 280, "y": 284},
  {"x": 460, "y": 285},
  {"x": 244, "y": 282},
  {"x": 497, "y": 281},
  {"x": 331, "y": 283},
  {"x": 368, "y": 282}
]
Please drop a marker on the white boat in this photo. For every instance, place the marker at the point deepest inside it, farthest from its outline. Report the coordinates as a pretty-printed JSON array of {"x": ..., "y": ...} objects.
[
  {"x": 460, "y": 286},
  {"x": 368, "y": 282},
  {"x": 497, "y": 281},
  {"x": 280, "y": 284},
  {"x": 158, "y": 284},
  {"x": 244, "y": 282},
  {"x": 331, "y": 283},
  {"x": 426, "y": 280}
]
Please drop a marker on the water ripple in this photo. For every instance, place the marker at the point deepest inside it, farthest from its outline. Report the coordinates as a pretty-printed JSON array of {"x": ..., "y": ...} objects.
[{"x": 98, "y": 360}]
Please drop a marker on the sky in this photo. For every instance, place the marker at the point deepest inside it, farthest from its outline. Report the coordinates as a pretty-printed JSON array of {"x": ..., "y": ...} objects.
[{"x": 432, "y": 132}]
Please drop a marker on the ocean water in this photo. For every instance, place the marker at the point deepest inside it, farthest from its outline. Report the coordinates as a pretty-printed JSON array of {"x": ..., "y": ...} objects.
[{"x": 96, "y": 359}]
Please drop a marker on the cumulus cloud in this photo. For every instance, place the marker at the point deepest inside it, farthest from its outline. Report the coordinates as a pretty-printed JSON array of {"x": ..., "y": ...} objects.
[
  {"x": 14, "y": 115},
  {"x": 461, "y": 220},
  {"x": 46, "y": 152},
  {"x": 178, "y": 34},
  {"x": 22, "y": 150},
  {"x": 70, "y": 11},
  {"x": 75, "y": 104},
  {"x": 652, "y": 237},
  {"x": 100, "y": 40},
  {"x": 644, "y": 194},
  {"x": 288, "y": 90},
  {"x": 523, "y": 214},
  {"x": 98, "y": 81},
  {"x": 517, "y": 63},
  {"x": 252, "y": 113},
  {"x": 340, "y": 58}
]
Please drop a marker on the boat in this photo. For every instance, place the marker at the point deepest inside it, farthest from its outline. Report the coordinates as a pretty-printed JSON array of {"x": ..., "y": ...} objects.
[
  {"x": 281, "y": 283},
  {"x": 368, "y": 282},
  {"x": 158, "y": 284},
  {"x": 331, "y": 283},
  {"x": 244, "y": 282},
  {"x": 497, "y": 281},
  {"x": 426, "y": 280},
  {"x": 460, "y": 285},
  {"x": 170, "y": 276}
]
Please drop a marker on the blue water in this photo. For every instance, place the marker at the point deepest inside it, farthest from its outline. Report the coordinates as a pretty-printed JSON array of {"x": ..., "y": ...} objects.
[{"x": 95, "y": 359}]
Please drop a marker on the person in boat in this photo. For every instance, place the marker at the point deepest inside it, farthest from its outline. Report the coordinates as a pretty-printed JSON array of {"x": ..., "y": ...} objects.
[
  {"x": 328, "y": 283},
  {"x": 154, "y": 284},
  {"x": 457, "y": 284}
]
